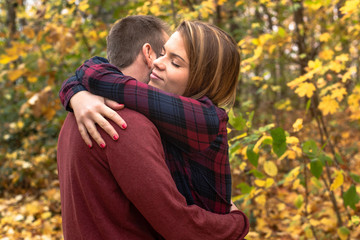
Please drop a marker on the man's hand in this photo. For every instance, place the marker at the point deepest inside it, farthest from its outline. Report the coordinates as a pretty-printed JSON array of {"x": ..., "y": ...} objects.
[{"x": 90, "y": 109}]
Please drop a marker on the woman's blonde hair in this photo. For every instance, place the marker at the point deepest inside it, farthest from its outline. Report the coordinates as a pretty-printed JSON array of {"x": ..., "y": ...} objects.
[{"x": 214, "y": 62}]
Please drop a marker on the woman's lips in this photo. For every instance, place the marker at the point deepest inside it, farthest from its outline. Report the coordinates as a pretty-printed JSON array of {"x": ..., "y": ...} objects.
[{"x": 155, "y": 76}]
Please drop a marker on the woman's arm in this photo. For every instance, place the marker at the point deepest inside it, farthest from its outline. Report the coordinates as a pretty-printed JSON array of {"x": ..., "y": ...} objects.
[
  {"x": 90, "y": 110},
  {"x": 191, "y": 124}
]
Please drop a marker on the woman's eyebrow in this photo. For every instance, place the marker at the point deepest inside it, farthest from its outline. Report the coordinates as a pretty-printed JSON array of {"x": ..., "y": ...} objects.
[
  {"x": 172, "y": 54},
  {"x": 176, "y": 55}
]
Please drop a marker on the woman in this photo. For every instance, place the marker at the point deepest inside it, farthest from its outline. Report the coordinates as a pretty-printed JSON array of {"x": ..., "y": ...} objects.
[{"x": 201, "y": 63}]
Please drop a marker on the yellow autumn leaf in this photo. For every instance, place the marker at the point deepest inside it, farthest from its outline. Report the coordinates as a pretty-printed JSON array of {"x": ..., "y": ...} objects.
[
  {"x": 314, "y": 64},
  {"x": 32, "y": 79},
  {"x": 83, "y": 6},
  {"x": 255, "y": 25},
  {"x": 29, "y": 32},
  {"x": 296, "y": 82},
  {"x": 292, "y": 140},
  {"x": 239, "y": 3},
  {"x": 296, "y": 184},
  {"x": 257, "y": 78},
  {"x": 305, "y": 89},
  {"x": 221, "y": 2},
  {"x": 339, "y": 93},
  {"x": 349, "y": 8},
  {"x": 45, "y": 215},
  {"x": 269, "y": 182},
  {"x": 324, "y": 37},
  {"x": 50, "y": 113},
  {"x": 286, "y": 153},
  {"x": 270, "y": 168},
  {"x": 338, "y": 181},
  {"x": 328, "y": 105},
  {"x": 314, "y": 222},
  {"x": 242, "y": 166},
  {"x": 298, "y": 125},
  {"x": 103, "y": 34},
  {"x": 342, "y": 57},
  {"x": 258, "y": 143},
  {"x": 326, "y": 54},
  {"x": 155, "y": 10},
  {"x": 348, "y": 74},
  {"x": 343, "y": 233},
  {"x": 291, "y": 154},
  {"x": 259, "y": 183},
  {"x": 308, "y": 233},
  {"x": 261, "y": 199},
  {"x": 15, "y": 74},
  {"x": 20, "y": 124},
  {"x": 5, "y": 59},
  {"x": 336, "y": 66},
  {"x": 320, "y": 83}
]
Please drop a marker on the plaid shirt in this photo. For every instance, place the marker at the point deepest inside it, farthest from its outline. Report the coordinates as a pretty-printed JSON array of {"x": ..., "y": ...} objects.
[{"x": 193, "y": 132}]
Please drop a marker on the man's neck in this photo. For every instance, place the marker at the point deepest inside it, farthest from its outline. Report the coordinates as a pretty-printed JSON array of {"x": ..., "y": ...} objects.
[{"x": 137, "y": 70}]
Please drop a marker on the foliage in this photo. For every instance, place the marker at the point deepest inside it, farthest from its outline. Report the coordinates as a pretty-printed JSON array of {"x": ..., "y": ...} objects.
[{"x": 293, "y": 133}]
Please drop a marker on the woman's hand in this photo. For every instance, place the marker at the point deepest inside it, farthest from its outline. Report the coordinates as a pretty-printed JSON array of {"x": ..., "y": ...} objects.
[
  {"x": 233, "y": 207},
  {"x": 90, "y": 109}
]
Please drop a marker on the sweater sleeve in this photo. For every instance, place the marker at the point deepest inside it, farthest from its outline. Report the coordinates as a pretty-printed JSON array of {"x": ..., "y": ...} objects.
[
  {"x": 191, "y": 124},
  {"x": 145, "y": 179}
]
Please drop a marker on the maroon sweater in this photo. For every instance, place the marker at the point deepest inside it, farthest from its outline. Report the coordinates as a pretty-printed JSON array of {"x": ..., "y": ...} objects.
[{"x": 125, "y": 191}]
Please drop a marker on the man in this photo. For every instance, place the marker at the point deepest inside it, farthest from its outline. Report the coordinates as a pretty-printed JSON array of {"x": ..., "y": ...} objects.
[{"x": 125, "y": 191}]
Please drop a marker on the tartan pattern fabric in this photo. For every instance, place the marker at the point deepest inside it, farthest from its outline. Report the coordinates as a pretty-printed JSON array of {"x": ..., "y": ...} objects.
[{"x": 193, "y": 131}]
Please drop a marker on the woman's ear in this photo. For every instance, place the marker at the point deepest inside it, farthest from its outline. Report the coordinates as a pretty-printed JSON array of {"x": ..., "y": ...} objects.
[{"x": 149, "y": 55}]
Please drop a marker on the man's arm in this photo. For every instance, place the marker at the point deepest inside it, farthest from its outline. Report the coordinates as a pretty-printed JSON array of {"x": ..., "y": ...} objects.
[{"x": 137, "y": 163}]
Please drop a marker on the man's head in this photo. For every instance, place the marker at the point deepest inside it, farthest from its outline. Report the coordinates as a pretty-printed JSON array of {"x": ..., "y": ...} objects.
[{"x": 129, "y": 35}]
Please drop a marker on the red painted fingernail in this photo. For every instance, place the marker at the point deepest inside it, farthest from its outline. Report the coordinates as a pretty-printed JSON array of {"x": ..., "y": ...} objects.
[
  {"x": 116, "y": 137},
  {"x": 89, "y": 146},
  {"x": 102, "y": 145},
  {"x": 124, "y": 126}
]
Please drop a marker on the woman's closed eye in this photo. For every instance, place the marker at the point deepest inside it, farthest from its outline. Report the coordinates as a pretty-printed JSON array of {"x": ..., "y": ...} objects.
[{"x": 174, "y": 64}]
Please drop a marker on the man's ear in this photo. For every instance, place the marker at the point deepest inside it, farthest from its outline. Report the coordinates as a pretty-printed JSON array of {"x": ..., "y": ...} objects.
[{"x": 149, "y": 55}]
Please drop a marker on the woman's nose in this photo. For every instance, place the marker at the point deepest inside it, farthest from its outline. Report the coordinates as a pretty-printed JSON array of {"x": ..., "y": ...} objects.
[{"x": 159, "y": 63}]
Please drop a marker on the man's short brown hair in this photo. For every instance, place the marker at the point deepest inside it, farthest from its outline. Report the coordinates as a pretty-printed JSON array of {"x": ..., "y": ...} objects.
[{"x": 129, "y": 34}]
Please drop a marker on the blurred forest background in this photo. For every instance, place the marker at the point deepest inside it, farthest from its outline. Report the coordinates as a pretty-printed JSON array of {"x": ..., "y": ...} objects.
[{"x": 294, "y": 131}]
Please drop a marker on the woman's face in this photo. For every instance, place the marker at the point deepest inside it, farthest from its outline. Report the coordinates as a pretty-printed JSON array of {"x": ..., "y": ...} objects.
[{"x": 171, "y": 69}]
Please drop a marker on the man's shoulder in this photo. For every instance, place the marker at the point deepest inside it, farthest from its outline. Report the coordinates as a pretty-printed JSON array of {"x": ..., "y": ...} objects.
[
  {"x": 131, "y": 115},
  {"x": 136, "y": 122}
]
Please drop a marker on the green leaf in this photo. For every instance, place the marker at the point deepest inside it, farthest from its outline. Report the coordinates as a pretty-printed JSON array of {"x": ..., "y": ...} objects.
[
  {"x": 325, "y": 159},
  {"x": 234, "y": 147},
  {"x": 281, "y": 32},
  {"x": 252, "y": 156},
  {"x": 316, "y": 167},
  {"x": 279, "y": 141},
  {"x": 339, "y": 158},
  {"x": 251, "y": 138},
  {"x": 308, "y": 104},
  {"x": 351, "y": 198},
  {"x": 249, "y": 121},
  {"x": 355, "y": 177},
  {"x": 266, "y": 128},
  {"x": 236, "y": 121},
  {"x": 344, "y": 230},
  {"x": 244, "y": 187},
  {"x": 310, "y": 149},
  {"x": 299, "y": 201},
  {"x": 256, "y": 173}
]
